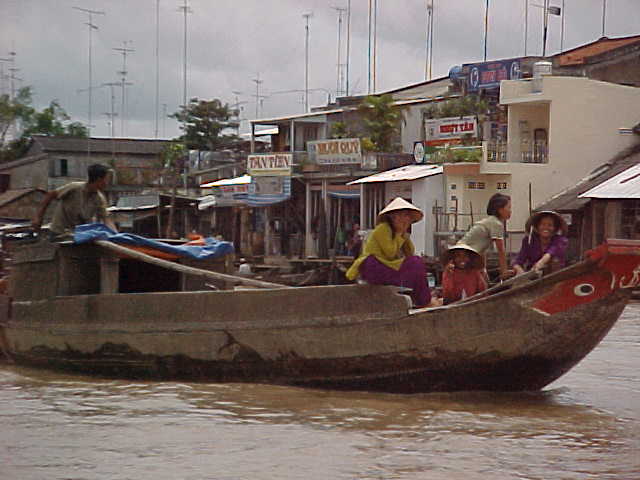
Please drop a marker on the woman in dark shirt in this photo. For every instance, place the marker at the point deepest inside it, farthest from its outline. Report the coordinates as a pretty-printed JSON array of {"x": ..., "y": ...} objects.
[{"x": 545, "y": 245}]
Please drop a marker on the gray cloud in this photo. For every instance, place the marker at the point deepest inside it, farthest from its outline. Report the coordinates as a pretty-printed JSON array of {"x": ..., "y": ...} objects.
[{"x": 230, "y": 41}]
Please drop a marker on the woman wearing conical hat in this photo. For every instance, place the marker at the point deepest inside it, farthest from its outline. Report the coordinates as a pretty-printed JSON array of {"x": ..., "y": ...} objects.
[
  {"x": 545, "y": 245},
  {"x": 388, "y": 256}
]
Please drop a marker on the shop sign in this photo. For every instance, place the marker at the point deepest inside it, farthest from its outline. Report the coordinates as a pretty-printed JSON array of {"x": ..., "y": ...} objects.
[
  {"x": 418, "y": 152},
  {"x": 270, "y": 164},
  {"x": 440, "y": 131},
  {"x": 338, "y": 151},
  {"x": 490, "y": 74},
  {"x": 228, "y": 191},
  {"x": 267, "y": 186}
]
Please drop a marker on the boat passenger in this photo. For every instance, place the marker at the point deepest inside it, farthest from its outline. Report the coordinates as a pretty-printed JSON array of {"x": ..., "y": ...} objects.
[
  {"x": 463, "y": 274},
  {"x": 78, "y": 203},
  {"x": 388, "y": 256},
  {"x": 491, "y": 230},
  {"x": 545, "y": 246}
]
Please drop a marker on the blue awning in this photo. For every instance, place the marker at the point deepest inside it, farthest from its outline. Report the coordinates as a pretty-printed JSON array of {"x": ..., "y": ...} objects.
[{"x": 265, "y": 200}]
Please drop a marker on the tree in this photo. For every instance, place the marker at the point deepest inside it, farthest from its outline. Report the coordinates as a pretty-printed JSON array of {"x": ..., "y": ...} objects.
[
  {"x": 381, "y": 121},
  {"x": 173, "y": 156},
  {"x": 27, "y": 121},
  {"x": 204, "y": 123}
]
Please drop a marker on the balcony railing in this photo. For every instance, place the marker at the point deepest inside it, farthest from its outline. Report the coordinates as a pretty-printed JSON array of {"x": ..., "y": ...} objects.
[{"x": 525, "y": 152}]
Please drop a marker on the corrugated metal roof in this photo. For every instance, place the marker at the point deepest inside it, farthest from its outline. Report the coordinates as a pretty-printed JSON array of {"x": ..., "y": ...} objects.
[
  {"x": 408, "y": 172},
  {"x": 624, "y": 185},
  {"x": 570, "y": 199},
  {"x": 101, "y": 145}
]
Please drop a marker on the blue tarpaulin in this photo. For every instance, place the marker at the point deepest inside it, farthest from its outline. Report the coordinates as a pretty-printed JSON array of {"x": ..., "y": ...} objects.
[{"x": 97, "y": 231}]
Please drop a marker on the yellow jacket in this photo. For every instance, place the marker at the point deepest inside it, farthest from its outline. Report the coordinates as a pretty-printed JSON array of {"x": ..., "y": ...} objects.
[{"x": 387, "y": 248}]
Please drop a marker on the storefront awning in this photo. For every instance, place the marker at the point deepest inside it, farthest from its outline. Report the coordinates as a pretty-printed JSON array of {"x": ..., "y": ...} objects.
[
  {"x": 242, "y": 180},
  {"x": 265, "y": 200},
  {"x": 408, "y": 172},
  {"x": 345, "y": 195},
  {"x": 625, "y": 185}
]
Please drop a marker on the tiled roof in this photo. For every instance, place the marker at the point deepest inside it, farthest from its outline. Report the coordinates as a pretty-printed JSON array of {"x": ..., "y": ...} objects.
[{"x": 100, "y": 145}]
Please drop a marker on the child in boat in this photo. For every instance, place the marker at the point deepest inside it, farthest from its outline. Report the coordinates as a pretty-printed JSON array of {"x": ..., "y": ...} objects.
[
  {"x": 388, "y": 255},
  {"x": 491, "y": 230},
  {"x": 545, "y": 246},
  {"x": 463, "y": 274}
]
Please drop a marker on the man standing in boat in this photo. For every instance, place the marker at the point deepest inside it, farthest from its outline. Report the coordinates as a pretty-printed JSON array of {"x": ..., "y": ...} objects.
[{"x": 78, "y": 203}]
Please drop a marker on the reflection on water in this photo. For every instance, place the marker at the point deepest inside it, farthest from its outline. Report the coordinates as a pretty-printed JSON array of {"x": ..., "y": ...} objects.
[{"x": 586, "y": 425}]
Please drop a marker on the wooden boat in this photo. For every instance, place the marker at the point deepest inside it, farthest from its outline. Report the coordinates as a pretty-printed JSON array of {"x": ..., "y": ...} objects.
[{"x": 61, "y": 315}]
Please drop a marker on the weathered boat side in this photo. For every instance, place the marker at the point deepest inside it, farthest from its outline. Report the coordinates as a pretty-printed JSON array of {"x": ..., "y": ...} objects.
[{"x": 349, "y": 337}]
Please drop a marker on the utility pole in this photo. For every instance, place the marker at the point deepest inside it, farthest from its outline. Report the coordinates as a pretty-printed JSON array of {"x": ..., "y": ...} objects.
[
  {"x": 486, "y": 28},
  {"x": 92, "y": 27},
  {"x": 339, "y": 79},
  {"x": 306, "y": 16},
  {"x": 185, "y": 9},
  {"x": 526, "y": 25},
  {"x": 157, "y": 66},
  {"x": 427, "y": 63},
  {"x": 348, "y": 46},
  {"x": 123, "y": 83},
  {"x": 369, "y": 49},
  {"x": 375, "y": 42},
  {"x": 258, "y": 82}
]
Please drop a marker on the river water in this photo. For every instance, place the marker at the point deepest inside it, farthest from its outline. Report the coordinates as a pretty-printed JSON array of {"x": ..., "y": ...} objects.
[{"x": 584, "y": 426}]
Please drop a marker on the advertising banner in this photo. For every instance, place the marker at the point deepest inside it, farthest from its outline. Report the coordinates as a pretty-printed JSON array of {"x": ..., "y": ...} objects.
[
  {"x": 490, "y": 74},
  {"x": 271, "y": 164},
  {"x": 439, "y": 131},
  {"x": 338, "y": 151}
]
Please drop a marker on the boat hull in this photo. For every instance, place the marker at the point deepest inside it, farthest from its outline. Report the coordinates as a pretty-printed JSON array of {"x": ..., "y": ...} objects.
[{"x": 356, "y": 337}]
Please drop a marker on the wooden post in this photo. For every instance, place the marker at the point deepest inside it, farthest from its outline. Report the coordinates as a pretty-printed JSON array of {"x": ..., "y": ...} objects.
[
  {"x": 109, "y": 274},
  {"x": 308, "y": 239},
  {"x": 363, "y": 220},
  {"x": 594, "y": 223}
]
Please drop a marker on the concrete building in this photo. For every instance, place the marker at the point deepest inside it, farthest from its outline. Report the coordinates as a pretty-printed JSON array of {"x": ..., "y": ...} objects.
[{"x": 558, "y": 130}]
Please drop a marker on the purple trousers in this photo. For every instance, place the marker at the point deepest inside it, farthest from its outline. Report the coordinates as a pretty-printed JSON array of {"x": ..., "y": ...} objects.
[{"x": 412, "y": 274}]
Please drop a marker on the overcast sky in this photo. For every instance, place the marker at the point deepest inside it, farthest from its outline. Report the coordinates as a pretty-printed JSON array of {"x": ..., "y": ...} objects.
[{"x": 230, "y": 41}]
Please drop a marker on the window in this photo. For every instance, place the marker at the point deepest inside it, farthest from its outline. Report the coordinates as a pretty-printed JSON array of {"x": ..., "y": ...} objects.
[
  {"x": 453, "y": 186},
  {"x": 64, "y": 167},
  {"x": 476, "y": 185},
  {"x": 501, "y": 186}
]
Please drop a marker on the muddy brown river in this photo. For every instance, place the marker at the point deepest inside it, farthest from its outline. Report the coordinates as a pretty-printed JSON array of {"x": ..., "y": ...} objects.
[{"x": 584, "y": 426}]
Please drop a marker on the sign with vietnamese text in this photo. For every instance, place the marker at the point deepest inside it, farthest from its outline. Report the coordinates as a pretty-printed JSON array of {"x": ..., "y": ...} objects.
[
  {"x": 337, "y": 151},
  {"x": 490, "y": 74},
  {"x": 439, "y": 131},
  {"x": 271, "y": 164}
]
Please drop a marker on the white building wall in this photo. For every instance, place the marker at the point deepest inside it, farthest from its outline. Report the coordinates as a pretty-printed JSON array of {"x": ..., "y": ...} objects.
[{"x": 425, "y": 192}]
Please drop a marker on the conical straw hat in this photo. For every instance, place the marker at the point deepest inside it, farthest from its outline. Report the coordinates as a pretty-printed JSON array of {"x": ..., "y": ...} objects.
[
  {"x": 476, "y": 259},
  {"x": 560, "y": 223},
  {"x": 400, "y": 203}
]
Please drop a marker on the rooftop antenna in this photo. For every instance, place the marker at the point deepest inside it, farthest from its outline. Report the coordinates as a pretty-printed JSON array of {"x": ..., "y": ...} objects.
[
  {"x": 375, "y": 42},
  {"x": 346, "y": 90},
  {"x": 526, "y": 25},
  {"x": 339, "y": 77},
  {"x": 370, "y": 18},
  {"x": 427, "y": 64},
  {"x": 164, "y": 117},
  {"x": 306, "y": 16},
  {"x": 486, "y": 28},
  {"x": 258, "y": 82},
  {"x": 604, "y": 15},
  {"x": 92, "y": 27},
  {"x": 236, "y": 106},
  {"x": 123, "y": 82},
  {"x": 185, "y": 9},
  {"x": 431, "y": 40},
  {"x": 11, "y": 59},
  {"x": 157, "y": 66}
]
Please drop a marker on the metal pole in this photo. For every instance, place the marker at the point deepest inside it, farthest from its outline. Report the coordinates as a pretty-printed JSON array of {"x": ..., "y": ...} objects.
[
  {"x": 375, "y": 42},
  {"x": 486, "y": 28},
  {"x": 562, "y": 30},
  {"x": 369, "y": 50},
  {"x": 526, "y": 25},
  {"x": 431, "y": 40},
  {"x": 157, "y": 66},
  {"x": 348, "y": 46},
  {"x": 604, "y": 15},
  {"x": 545, "y": 19},
  {"x": 306, "y": 62},
  {"x": 185, "y": 8}
]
